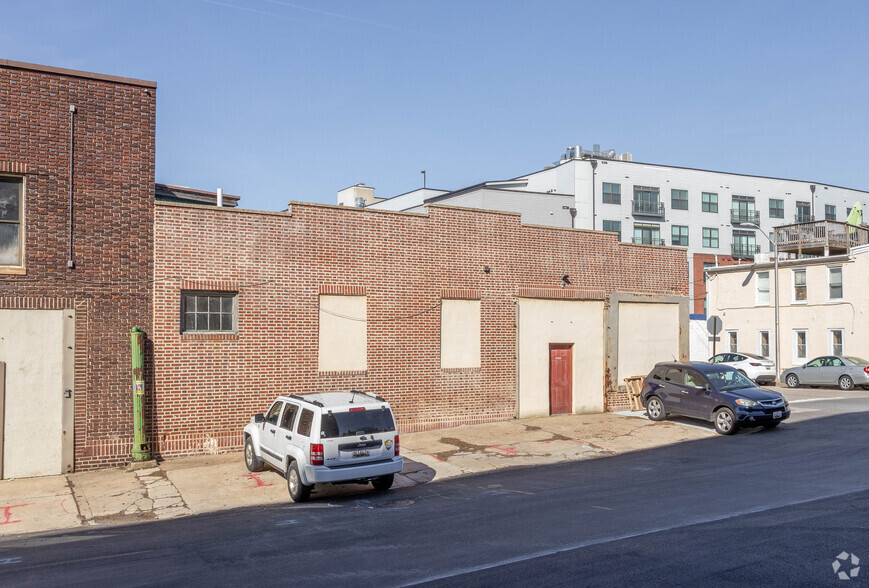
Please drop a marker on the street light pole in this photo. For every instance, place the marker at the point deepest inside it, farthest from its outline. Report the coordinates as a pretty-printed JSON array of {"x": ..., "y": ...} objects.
[
  {"x": 593, "y": 197},
  {"x": 774, "y": 243}
]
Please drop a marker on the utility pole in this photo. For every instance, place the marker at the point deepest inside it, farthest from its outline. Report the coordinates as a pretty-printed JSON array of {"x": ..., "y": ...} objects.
[{"x": 140, "y": 444}]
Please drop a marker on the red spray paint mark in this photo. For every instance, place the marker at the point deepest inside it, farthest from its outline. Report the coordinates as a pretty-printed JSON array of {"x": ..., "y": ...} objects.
[
  {"x": 506, "y": 450},
  {"x": 63, "y": 507},
  {"x": 7, "y": 514},
  {"x": 255, "y": 478}
]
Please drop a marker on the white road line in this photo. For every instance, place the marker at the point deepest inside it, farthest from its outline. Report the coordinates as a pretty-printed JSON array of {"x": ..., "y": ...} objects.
[
  {"x": 591, "y": 542},
  {"x": 816, "y": 399}
]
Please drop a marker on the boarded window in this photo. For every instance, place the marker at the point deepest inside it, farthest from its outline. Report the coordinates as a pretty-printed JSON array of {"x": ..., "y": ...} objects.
[
  {"x": 460, "y": 333},
  {"x": 343, "y": 333}
]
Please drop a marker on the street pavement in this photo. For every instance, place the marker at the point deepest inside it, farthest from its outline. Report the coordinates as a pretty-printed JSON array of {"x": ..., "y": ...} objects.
[{"x": 774, "y": 507}]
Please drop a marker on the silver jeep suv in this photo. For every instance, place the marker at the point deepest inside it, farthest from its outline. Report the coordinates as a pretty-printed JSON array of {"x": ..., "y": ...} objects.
[{"x": 333, "y": 437}]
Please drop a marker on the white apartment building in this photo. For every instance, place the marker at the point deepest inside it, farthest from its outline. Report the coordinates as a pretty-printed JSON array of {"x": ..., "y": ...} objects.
[{"x": 703, "y": 211}]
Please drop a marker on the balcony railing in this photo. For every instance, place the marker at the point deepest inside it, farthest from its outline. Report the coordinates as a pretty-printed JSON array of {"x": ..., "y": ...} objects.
[
  {"x": 744, "y": 216},
  {"x": 645, "y": 208},
  {"x": 744, "y": 249},
  {"x": 648, "y": 241},
  {"x": 820, "y": 238},
  {"x": 803, "y": 218}
]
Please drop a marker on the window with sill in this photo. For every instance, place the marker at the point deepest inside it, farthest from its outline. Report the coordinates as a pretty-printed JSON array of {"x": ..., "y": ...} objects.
[
  {"x": 208, "y": 312},
  {"x": 11, "y": 208},
  {"x": 612, "y": 193},
  {"x": 709, "y": 202},
  {"x": 835, "y": 278},
  {"x": 800, "y": 290},
  {"x": 762, "y": 279}
]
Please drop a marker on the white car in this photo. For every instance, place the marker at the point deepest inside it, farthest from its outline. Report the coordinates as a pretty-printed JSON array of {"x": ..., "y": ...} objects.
[
  {"x": 333, "y": 437},
  {"x": 759, "y": 369}
]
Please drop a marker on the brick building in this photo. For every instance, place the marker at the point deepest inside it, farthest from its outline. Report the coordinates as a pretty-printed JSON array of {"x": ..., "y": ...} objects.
[
  {"x": 76, "y": 239},
  {"x": 455, "y": 315}
]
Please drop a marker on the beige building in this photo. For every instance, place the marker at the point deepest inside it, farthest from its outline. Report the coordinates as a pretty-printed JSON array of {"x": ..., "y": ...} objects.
[{"x": 823, "y": 306}]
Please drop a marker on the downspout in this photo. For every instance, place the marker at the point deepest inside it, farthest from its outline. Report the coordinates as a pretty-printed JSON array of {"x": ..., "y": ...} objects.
[{"x": 69, "y": 262}]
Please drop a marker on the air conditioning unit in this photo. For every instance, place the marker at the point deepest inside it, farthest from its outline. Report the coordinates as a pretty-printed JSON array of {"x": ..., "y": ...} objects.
[{"x": 762, "y": 258}]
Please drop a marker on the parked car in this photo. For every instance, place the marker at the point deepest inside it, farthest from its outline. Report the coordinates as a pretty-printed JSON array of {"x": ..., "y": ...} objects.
[
  {"x": 712, "y": 392},
  {"x": 760, "y": 369},
  {"x": 333, "y": 437},
  {"x": 829, "y": 370}
]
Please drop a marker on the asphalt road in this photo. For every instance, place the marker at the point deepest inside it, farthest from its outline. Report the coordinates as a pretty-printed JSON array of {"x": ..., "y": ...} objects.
[{"x": 761, "y": 507}]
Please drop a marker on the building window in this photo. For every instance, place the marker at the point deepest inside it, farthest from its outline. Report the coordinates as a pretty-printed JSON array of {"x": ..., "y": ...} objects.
[
  {"x": 11, "y": 204},
  {"x": 208, "y": 312},
  {"x": 460, "y": 334},
  {"x": 679, "y": 199},
  {"x": 709, "y": 202},
  {"x": 743, "y": 244},
  {"x": 804, "y": 212},
  {"x": 343, "y": 333},
  {"x": 837, "y": 346},
  {"x": 800, "y": 290},
  {"x": 733, "y": 341},
  {"x": 776, "y": 208},
  {"x": 710, "y": 238},
  {"x": 762, "y": 280},
  {"x": 742, "y": 210},
  {"x": 835, "y": 279},
  {"x": 772, "y": 242},
  {"x": 763, "y": 343},
  {"x": 680, "y": 236},
  {"x": 830, "y": 212},
  {"x": 647, "y": 200},
  {"x": 647, "y": 234},
  {"x": 612, "y": 193},
  {"x": 613, "y": 227},
  {"x": 799, "y": 345}
]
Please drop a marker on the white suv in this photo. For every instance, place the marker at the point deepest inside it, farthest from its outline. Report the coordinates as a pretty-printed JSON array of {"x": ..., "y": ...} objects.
[{"x": 334, "y": 437}]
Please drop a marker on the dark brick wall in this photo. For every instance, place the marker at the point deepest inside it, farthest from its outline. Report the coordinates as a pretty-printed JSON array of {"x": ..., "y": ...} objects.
[
  {"x": 113, "y": 190},
  {"x": 208, "y": 386}
]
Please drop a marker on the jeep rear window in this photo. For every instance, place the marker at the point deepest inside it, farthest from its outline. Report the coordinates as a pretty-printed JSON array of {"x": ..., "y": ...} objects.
[
  {"x": 363, "y": 422},
  {"x": 305, "y": 422}
]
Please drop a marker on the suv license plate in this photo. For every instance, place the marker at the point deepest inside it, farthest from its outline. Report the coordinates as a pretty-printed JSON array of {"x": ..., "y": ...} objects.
[
  {"x": 776, "y": 414},
  {"x": 364, "y": 452}
]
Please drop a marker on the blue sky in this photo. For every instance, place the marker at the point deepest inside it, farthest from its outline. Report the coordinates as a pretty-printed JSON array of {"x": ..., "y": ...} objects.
[{"x": 279, "y": 101}]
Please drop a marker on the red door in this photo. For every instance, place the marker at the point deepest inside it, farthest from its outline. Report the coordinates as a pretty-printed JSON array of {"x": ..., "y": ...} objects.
[{"x": 560, "y": 378}]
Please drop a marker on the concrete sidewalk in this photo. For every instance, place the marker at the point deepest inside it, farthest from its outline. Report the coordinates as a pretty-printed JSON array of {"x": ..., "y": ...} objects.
[{"x": 193, "y": 485}]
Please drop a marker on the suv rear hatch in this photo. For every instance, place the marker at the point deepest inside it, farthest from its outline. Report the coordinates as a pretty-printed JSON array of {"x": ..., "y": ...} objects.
[{"x": 357, "y": 435}]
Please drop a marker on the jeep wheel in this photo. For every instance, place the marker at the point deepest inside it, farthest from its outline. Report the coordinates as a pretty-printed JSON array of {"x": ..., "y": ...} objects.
[
  {"x": 298, "y": 492},
  {"x": 383, "y": 482},
  {"x": 725, "y": 422},
  {"x": 655, "y": 409},
  {"x": 253, "y": 463}
]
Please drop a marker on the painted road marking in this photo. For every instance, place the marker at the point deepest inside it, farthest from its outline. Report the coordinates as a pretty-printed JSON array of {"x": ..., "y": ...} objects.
[
  {"x": 287, "y": 522},
  {"x": 816, "y": 399},
  {"x": 10, "y": 560}
]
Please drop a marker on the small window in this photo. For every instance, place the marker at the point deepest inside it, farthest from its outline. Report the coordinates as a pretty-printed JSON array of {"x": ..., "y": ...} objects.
[
  {"x": 693, "y": 378},
  {"x": 11, "y": 205},
  {"x": 289, "y": 417},
  {"x": 776, "y": 208},
  {"x": 733, "y": 341},
  {"x": 706, "y": 266},
  {"x": 837, "y": 338},
  {"x": 274, "y": 412},
  {"x": 762, "y": 279},
  {"x": 612, "y": 193},
  {"x": 305, "y": 422},
  {"x": 208, "y": 312},
  {"x": 800, "y": 290},
  {"x": 709, "y": 202},
  {"x": 679, "y": 199},
  {"x": 830, "y": 212},
  {"x": 613, "y": 227},
  {"x": 800, "y": 345},
  {"x": 675, "y": 376},
  {"x": 680, "y": 236},
  {"x": 804, "y": 212},
  {"x": 835, "y": 277},
  {"x": 710, "y": 238},
  {"x": 763, "y": 343}
]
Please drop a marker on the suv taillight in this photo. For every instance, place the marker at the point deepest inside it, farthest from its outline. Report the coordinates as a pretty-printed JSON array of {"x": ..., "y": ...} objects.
[
  {"x": 396, "y": 445},
  {"x": 316, "y": 454}
]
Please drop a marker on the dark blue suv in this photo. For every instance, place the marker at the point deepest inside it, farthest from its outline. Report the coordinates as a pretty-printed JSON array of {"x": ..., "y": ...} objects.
[{"x": 712, "y": 392}]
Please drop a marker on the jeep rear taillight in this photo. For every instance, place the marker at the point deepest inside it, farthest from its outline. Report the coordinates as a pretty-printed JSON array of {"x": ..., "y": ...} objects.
[
  {"x": 316, "y": 454},
  {"x": 396, "y": 445}
]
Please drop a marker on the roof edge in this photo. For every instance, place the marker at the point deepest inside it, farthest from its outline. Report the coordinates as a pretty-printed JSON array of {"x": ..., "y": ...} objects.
[{"x": 76, "y": 73}]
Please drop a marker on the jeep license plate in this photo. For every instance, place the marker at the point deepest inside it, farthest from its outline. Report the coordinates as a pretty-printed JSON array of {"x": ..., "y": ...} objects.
[
  {"x": 364, "y": 452},
  {"x": 776, "y": 414}
]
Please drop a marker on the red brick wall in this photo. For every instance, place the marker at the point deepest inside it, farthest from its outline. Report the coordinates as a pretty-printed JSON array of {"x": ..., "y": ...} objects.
[
  {"x": 699, "y": 284},
  {"x": 208, "y": 387},
  {"x": 113, "y": 230}
]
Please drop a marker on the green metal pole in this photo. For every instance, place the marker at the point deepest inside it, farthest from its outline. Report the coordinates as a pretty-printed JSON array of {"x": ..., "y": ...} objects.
[{"x": 140, "y": 443}]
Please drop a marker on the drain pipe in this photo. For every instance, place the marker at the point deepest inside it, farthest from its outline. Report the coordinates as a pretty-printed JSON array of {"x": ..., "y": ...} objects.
[{"x": 69, "y": 262}]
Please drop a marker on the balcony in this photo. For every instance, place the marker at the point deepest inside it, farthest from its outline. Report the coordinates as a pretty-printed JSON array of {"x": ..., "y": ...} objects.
[
  {"x": 744, "y": 216},
  {"x": 648, "y": 241},
  {"x": 803, "y": 218},
  {"x": 645, "y": 208},
  {"x": 744, "y": 250},
  {"x": 820, "y": 238}
]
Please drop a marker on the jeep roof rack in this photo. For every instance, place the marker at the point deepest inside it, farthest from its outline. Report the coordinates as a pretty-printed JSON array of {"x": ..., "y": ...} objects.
[
  {"x": 370, "y": 395},
  {"x": 303, "y": 399}
]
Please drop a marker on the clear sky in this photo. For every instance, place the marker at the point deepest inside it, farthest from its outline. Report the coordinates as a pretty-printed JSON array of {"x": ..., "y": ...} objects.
[{"x": 278, "y": 101}]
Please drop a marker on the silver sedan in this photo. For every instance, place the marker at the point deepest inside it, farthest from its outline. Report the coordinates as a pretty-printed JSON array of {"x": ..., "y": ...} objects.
[{"x": 829, "y": 370}]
